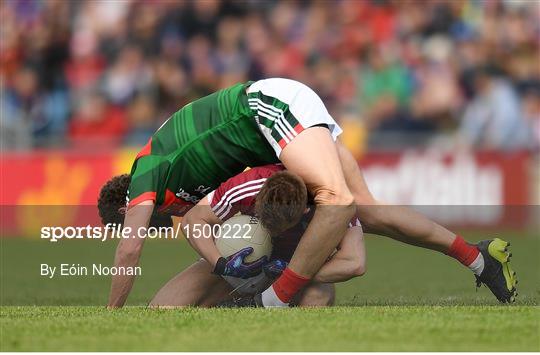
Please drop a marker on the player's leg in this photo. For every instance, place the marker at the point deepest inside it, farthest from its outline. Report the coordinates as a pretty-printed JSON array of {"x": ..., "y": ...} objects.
[
  {"x": 379, "y": 219},
  {"x": 219, "y": 293},
  {"x": 313, "y": 156},
  {"x": 290, "y": 115},
  {"x": 406, "y": 225},
  {"x": 195, "y": 286},
  {"x": 316, "y": 294}
]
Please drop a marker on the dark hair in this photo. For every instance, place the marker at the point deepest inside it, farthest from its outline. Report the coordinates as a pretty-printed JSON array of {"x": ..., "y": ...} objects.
[
  {"x": 112, "y": 199},
  {"x": 281, "y": 202},
  {"x": 112, "y": 203}
]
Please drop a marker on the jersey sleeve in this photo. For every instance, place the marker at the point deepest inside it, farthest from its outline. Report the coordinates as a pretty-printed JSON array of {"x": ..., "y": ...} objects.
[
  {"x": 238, "y": 193},
  {"x": 146, "y": 178}
]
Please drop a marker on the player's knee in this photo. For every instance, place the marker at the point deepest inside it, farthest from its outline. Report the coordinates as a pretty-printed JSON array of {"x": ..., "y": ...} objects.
[
  {"x": 341, "y": 201},
  {"x": 354, "y": 268},
  {"x": 187, "y": 222},
  {"x": 334, "y": 196}
]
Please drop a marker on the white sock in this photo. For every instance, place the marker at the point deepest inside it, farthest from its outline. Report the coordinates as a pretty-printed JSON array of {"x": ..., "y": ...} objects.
[
  {"x": 477, "y": 266},
  {"x": 270, "y": 299}
]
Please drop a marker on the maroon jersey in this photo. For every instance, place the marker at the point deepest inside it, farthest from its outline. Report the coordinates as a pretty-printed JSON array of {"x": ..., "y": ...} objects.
[{"x": 238, "y": 195}]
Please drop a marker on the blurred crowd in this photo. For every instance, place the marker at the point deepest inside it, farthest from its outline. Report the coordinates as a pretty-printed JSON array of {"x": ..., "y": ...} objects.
[{"x": 102, "y": 73}]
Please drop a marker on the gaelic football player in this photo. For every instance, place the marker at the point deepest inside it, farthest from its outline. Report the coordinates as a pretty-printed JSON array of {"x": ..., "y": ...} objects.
[
  {"x": 280, "y": 200},
  {"x": 267, "y": 121}
]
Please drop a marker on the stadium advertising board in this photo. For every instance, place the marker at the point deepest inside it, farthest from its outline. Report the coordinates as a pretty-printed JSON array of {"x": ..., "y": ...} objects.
[{"x": 447, "y": 186}]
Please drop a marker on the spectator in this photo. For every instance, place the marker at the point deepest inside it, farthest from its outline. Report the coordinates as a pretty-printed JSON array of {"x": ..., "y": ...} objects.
[
  {"x": 493, "y": 119},
  {"x": 531, "y": 112},
  {"x": 97, "y": 123},
  {"x": 141, "y": 116},
  {"x": 128, "y": 75},
  {"x": 400, "y": 66},
  {"x": 384, "y": 87}
]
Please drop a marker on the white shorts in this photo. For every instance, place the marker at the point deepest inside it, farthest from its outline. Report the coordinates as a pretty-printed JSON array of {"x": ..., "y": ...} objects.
[{"x": 284, "y": 108}]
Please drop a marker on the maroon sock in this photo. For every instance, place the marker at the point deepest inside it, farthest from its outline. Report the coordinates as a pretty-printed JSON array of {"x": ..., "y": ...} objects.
[{"x": 462, "y": 251}]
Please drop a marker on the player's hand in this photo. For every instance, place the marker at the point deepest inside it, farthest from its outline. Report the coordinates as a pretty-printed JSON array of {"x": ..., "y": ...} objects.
[
  {"x": 274, "y": 268},
  {"x": 235, "y": 266}
]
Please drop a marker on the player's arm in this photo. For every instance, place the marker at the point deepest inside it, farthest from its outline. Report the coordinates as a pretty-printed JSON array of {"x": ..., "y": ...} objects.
[
  {"x": 128, "y": 251},
  {"x": 348, "y": 261},
  {"x": 198, "y": 216},
  {"x": 397, "y": 222},
  {"x": 232, "y": 265}
]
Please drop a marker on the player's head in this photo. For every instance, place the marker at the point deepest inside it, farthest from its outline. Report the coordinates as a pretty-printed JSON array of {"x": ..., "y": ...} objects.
[
  {"x": 112, "y": 203},
  {"x": 281, "y": 202},
  {"x": 112, "y": 199}
]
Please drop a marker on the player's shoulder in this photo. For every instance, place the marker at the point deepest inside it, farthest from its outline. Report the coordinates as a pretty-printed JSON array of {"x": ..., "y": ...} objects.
[
  {"x": 258, "y": 173},
  {"x": 264, "y": 171},
  {"x": 247, "y": 182}
]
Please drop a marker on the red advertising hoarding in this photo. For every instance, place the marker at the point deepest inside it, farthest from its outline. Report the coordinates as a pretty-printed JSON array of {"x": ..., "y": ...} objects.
[{"x": 441, "y": 184}]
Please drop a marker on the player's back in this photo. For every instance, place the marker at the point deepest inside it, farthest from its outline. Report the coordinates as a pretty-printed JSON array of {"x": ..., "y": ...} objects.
[
  {"x": 200, "y": 146},
  {"x": 200, "y": 117}
]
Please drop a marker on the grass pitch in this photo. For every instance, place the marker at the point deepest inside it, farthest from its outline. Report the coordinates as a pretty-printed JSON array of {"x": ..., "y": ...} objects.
[
  {"x": 410, "y": 300},
  {"x": 371, "y": 328}
]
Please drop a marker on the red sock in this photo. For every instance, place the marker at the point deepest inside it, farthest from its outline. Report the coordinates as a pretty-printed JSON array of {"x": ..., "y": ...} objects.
[
  {"x": 462, "y": 251},
  {"x": 288, "y": 284}
]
